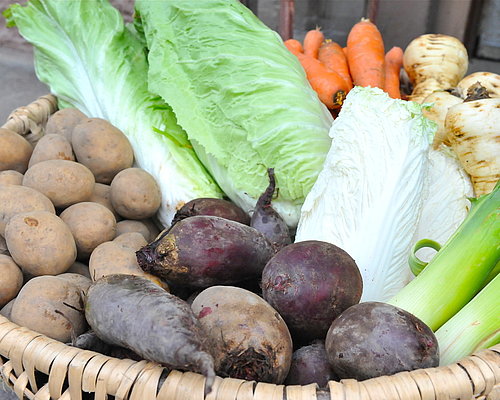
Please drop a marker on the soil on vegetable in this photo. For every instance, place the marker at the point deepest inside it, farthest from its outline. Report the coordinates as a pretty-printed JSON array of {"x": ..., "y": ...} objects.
[{"x": 248, "y": 364}]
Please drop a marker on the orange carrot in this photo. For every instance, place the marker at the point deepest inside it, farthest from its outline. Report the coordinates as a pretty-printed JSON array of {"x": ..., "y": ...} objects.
[
  {"x": 366, "y": 54},
  {"x": 294, "y": 46},
  {"x": 329, "y": 85},
  {"x": 312, "y": 42},
  {"x": 393, "y": 65},
  {"x": 332, "y": 55},
  {"x": 344, "y": 49}
]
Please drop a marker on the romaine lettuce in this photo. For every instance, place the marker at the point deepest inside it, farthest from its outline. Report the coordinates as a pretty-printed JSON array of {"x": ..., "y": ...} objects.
[
  {"x": 368, "y": 197},
  {"x": 240, "y": 95},
  {"x": 91, "y": 61}
]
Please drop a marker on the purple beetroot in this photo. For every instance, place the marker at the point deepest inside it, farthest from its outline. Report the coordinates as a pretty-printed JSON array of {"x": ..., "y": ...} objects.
[
  {"x": 267, "y": 220},
  {"x": 202, "y": 251},
  {"x": 310, "y": 283}
]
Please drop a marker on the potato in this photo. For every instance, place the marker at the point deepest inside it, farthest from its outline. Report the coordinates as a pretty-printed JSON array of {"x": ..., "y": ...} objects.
[
  {"x": 82, "y": 282},
  {"x": 15, "y": 151},
  {"x": 132, "y": 240},
  {"x": 130, "y": 225},
  {"x": 48, "y": 305},
  {"x": 91, "y": 224},
  {"x": 3, "y": 246},
  {"x": 16, "y": 199},
  {"x": 7, "y": 309},
  {"x": 63, "y": 121},
  {"x": 79, "y": 268},
  {"x": 112, "y": 258},
  {"x": 11, "y": 177},
  {"x": 102, "y": 195},
  {"x": 64, "y": 182},
  {"x": 52, "y": 147},
  {"x": 102, "y": 147},
  {"x": 247, "y": 337},
  {"x": 11, "y": 279},
  {"x": 40, "y": 243},
  {"x": 135, "y": 194},
  {"x": 154, "y": 228}
]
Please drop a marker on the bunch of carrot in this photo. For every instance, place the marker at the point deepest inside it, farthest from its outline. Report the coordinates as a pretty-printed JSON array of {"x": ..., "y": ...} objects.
[{"x": 333, "y": 70}]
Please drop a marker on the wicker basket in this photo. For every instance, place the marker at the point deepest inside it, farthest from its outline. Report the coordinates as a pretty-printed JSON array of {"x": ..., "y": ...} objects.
[{"x": 37, "y": 367}]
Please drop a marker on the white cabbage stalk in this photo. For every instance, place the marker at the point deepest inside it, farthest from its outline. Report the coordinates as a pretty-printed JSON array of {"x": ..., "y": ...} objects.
[
  {"x": 446, "y": 201},
  {"x": 368, "y": 196}
]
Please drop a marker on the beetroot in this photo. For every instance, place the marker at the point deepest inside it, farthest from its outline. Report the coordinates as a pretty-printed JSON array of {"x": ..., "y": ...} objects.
[
  {"x": 372, "y": 339},
  {"x": 247, "y": 337},
  {"x": 132, "y": 312},
  {"x": 310, "y": 283},
  {"x": 202, "y": 251},
  {"x": 211, "y": 206},
  {"x": 267, "y": 220},
  {"x": 310, "y": 365}
]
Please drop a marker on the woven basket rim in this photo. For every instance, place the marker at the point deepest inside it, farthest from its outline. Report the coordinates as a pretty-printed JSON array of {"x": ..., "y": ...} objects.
[{"x": 72, "y": 371}]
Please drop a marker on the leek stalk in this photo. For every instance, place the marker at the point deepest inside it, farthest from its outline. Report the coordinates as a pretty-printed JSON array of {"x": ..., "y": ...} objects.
[
  {"x": 474, "y": 327},
  {"x": 459, "y": 270}
]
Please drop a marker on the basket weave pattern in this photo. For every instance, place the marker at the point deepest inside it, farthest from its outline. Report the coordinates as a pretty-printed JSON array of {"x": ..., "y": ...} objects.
[{"x": 40, "y": 368}]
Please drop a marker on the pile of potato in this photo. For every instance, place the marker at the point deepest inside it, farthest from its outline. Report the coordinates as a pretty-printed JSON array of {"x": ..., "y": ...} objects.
[{"x": 73, "y": 208}]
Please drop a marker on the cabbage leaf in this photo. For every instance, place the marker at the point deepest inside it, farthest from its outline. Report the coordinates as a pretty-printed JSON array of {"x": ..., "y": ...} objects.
[
  {"x": 446, "y": 199},
  {"x": 92, "y": 61},
  {"x": 241, "y": 96},
  {"x": 368, "y": 197}
]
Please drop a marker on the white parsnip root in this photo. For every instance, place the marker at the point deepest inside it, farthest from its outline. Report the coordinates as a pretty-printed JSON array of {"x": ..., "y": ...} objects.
[
  {"x": 434, "y": 62},
  {"x": 441, "y": 101},
  {"x": 473, "y": 129},
  {"x": 489, "y": 80}
]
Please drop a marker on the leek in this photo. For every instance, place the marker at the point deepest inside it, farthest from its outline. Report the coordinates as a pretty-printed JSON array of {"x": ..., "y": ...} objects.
[
  {"x": 474, "y": 327},
  {"x": 459, "y": 270}
]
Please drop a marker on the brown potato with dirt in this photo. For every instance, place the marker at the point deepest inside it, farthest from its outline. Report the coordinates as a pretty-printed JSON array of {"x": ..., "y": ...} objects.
[
  {"x": 101, "y": 147},
  {"x": 135, "y": 194},
  {"x": 3, "y": 246},
  {"x": 49, "y": 305},
  {"x": 11, "y": 279},
  {"x": 247, "y": 337},
  {"x": 52, "y": 147},
  {"x": 113, "y": 258},
  {"x": 82, "y": 282},
  {"x": 15, "y": 199},
  {"x": 11, "y": 177},
  {"x": 64, "y": 182},
  {"x": 130, "y": 225},
  {"x": 15, "y": 151},
  {"x": 79, "y": 268},
  {"x": 40, "y": 243},
  {"x": 102, "y": 195},
  {"x": 131, "y": 240},
  {"x": 7, "y": 309},
  {"x": 91, "y": 224},
  {"x": 63, "y": 121}
]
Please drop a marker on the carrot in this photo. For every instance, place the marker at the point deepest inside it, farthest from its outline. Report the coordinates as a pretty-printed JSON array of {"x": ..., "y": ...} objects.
[
  {"x": 313, "y": 41},
  {"x": 332, "y": 55},
  {"x": 329, "y": 85},
  {"x": 366, "y": 54},
  {"x": 393, "y": 65},
  {"x": 294, "y": 46}
]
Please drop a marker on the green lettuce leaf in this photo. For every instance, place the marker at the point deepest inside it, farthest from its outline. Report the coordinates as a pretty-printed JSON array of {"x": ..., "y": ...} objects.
[
  {"x": 240, "y": 95},
  {"x": 92, "y": 61}
]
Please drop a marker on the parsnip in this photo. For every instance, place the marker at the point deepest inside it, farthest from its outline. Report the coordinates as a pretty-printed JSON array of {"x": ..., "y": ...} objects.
[
  {"x": 473, "y": 129},
  {"x": 434, "y": 62},
  {"x": 488, "y": 80},
  {"x": 441, "y": 101}
]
